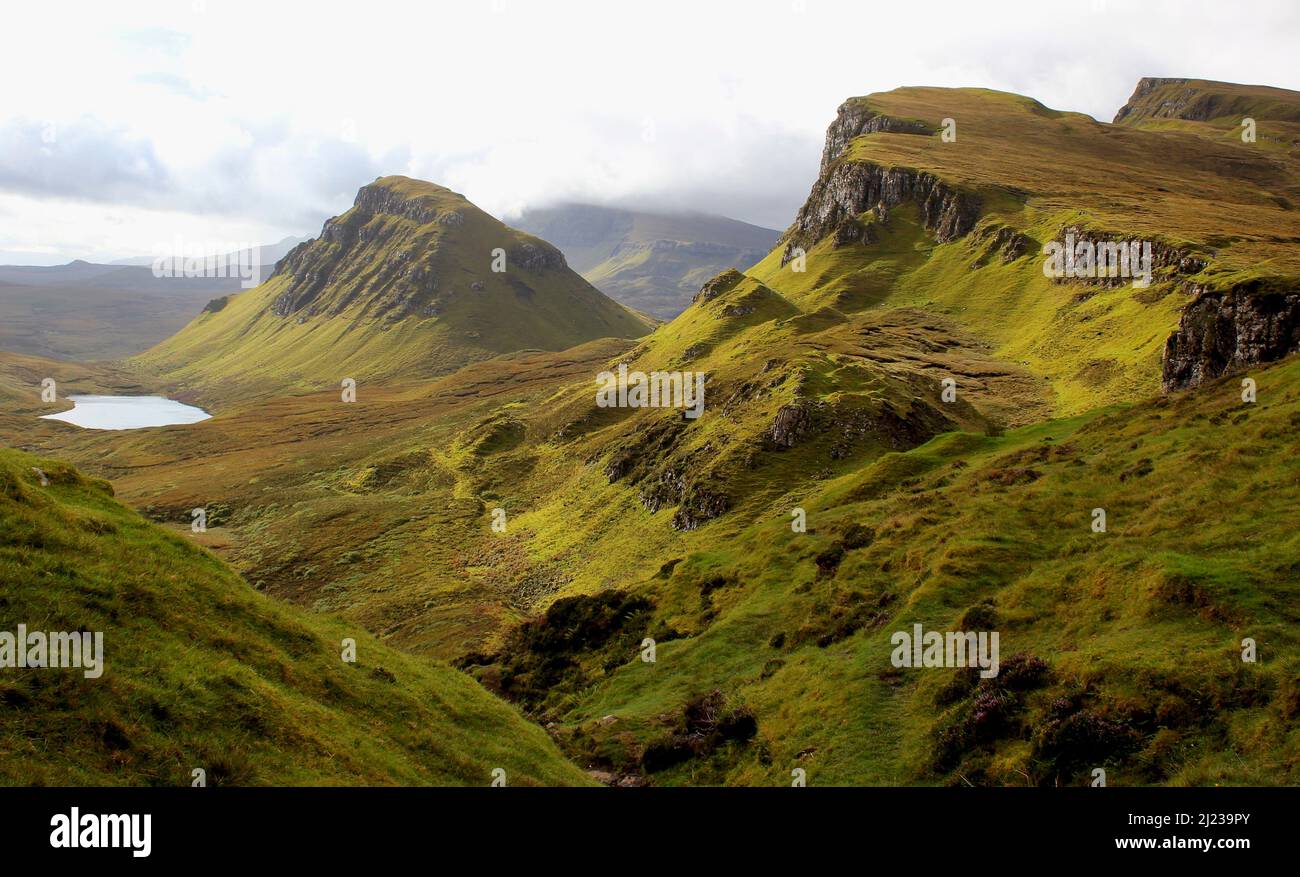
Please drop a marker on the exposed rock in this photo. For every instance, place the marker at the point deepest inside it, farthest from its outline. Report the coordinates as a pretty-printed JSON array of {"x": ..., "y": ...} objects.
[
  {"x": 1146, "y": 85},
  {"x": 852, "y": 187},
  {"x": 855, "y": 118},
  {"x": 540, "y": 256},
  {"x": 1224, "y": 332},
  {"x": 700, "y": 506},
  {"x": 724, "y": 282},
  {"x": 1166, "y": 261},
  {"x": 849, "y": 423},
  {"x": 1004, "y": 242},
  {"x": 793, "y": 422},
  {"x": 853, "y": 231}
]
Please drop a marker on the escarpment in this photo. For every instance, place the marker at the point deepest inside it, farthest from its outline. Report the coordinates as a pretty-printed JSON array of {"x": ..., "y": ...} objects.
[
  {"x": 855, "y": 118},
  {"x": 845, "y": 189},
  {"x": 853, "y": 187},
  {"x": 1221, "y": 332},
  {"x": 386, "y": 253}
]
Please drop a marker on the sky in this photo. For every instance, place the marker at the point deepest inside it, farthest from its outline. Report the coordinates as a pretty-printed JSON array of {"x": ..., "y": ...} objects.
[{"x": 126, "y": 126}]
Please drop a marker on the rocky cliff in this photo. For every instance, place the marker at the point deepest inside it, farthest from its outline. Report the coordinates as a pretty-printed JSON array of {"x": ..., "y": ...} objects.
[
  {"x": 846, "y": 188},
  {"x": 1224, "y": 332},
  {"x": 413, "y": 280}
]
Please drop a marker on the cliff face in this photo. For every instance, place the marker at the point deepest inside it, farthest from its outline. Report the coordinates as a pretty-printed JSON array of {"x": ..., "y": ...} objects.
[
  {"x": 855, "y": 118},
  {"x": 412, "y": 281},
  {"x": 395, "y": 251},
  {"x": 852, "y": 188},
  {"x": 1200, "y": 100},
  {"x": 845, "y": 189},
  {"x": 1224, "y": 332}
]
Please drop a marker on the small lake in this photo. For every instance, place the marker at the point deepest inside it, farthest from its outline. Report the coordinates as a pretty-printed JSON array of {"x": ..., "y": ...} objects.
[{"x": 127, "y": 412}]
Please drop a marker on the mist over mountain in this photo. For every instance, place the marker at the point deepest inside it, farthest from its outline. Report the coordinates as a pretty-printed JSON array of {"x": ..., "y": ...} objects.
[{"x": 653, "y": 262}]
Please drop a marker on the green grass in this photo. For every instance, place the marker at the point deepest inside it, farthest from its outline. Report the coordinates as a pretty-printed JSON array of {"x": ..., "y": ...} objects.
[
  {"x": 406, "y": 289},
  {"x": 203, "y": 672},
  {"x": 1140, "y": 626},
  {"x": 978, "y": 509}
]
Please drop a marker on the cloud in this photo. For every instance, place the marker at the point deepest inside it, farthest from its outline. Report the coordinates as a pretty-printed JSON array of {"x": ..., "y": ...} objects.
[
  {"x": 87, "y": 160},
  {"x": 247, "y": 115}
]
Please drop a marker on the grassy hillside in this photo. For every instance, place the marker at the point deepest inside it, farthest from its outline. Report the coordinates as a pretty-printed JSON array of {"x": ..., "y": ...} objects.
[
  {"x": 1017, "y": 176},
  {"x": 1215, "y": 109},
  {"x": 200, "y": 671},
  {"x": 652, "y": 262},
  {"x": 1119, "y": 650},
  {"x": 401, "y": 284},
  {"x": 826, "y": 392}
]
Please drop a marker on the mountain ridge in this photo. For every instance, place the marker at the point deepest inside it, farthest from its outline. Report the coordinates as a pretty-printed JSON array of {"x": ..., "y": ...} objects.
[
  {"x": 413, "y": 281},
  {"x": 651, "y": 261}
]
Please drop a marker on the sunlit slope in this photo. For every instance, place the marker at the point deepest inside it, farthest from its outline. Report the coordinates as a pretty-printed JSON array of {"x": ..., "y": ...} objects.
[
  {"x": 1216, "y": 109},
  {"x": 901, "y": 217},
  {"x": 200, "y": 671},
  {"x": 1120, "y": 650},
  {"x": 413, "y": 281}
]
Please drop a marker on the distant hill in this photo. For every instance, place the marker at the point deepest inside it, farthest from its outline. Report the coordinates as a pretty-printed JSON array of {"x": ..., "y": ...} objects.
[
  {"x": 413, "y": 281},
  {"x": 267, "y": 254},
  {"x": 85, "y": 311},
  {"x": 653, "y": 262}
]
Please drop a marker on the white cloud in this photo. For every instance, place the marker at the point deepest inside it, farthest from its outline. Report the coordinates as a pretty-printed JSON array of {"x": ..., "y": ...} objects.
[{"x": 242, "y": 115}]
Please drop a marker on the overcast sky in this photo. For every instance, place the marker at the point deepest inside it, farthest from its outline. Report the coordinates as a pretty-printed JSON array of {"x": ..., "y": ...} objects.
[{"x": 124, "y": 124}]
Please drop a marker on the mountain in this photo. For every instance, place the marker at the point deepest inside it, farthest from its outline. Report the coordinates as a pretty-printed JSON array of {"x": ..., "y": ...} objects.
[
  {"x": 899, "y": 373},
  {"x": 266, "y": 254},
  {"x": 899, "y": 216},
  {"x": 200, "y": 671},
  {"x": 652, "y": 262},
  {"x": 1163, "y": 103},
  {"x": 84, "y": 311},
  {"x": 403, "y": 284}
]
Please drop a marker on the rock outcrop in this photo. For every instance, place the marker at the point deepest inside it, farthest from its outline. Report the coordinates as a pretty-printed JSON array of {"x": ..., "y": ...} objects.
[
  {"x": 1224, "y": 332},
  {"x": 851, "y": 188},
  {"x": 855, "y": 118},
  {"x": 846, "y": 189}
]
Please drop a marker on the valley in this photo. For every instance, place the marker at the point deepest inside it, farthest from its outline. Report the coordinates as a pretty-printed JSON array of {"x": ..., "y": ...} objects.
[{"x": 896, "y": 370}]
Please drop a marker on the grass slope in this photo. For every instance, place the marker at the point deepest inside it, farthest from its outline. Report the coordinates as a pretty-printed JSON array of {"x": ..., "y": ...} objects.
[
  {"x": 1129, "y": 642},
  {"x": 1034, "y": 173},
  {"x": 402, "y": 284},
  {"x": 202, "y": 672}
]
